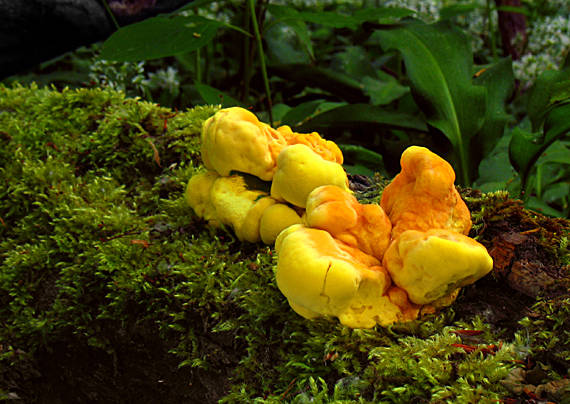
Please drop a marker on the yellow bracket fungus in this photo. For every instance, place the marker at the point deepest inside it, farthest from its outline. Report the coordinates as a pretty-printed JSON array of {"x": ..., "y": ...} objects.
[
  {"x": 432, "y": 264},
  {"x": 321, "y": 276},
  {"x": 337, "y": 211},
  {"x": 422, "y": 196},
  {"x": 235, "y": 140},
  {"x": 300, "y": 170},
  {"x": 366, "y": 264}
]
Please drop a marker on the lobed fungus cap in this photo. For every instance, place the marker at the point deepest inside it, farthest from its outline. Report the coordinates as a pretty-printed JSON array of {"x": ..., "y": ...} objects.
[
  {"x": 422, "y": 196},
  {"x": 233, "y": 139},
  {"x": 363, "y": 226},
  {"x": 228, "y": 201},
  {"x": 198, "y": 195},
  {"x": 275, "y": 219},
  {"x": 300, "y": 170},
  {"x": 322, "y": 276},
  {"x": 327, "y": 149},
  {"x": 433, "y": 264}
]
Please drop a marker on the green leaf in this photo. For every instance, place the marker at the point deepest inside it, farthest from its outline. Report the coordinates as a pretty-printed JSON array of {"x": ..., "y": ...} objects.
[
  {"x": 357, "y": 114},
  {"x": 457, "y": 9},
  {"x": 360, "y": 160},
  {"x": 495, "y": 170},
  {"x": 159, "y": 37},
  {"x": 213, "y": 96},
  {"x": 293, "y": 19},
  {"x": 382, "y": 92},
  {"x": 329, "y": 19},
  {"x": 525, "y": 148},
  {"x": 499, "y": 81},
  {"x": 551, "y": 88},
  {"x": 541, "y": 206},
  {"x": 311, "y": 76},
  {"x": 382, "y": 15},
  {"x": 439, "y": 65},
  {"x": 296, "y": 116}
]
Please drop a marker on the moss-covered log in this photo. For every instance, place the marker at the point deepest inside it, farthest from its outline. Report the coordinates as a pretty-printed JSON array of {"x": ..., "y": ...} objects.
[{"x": 112, "y": 290}]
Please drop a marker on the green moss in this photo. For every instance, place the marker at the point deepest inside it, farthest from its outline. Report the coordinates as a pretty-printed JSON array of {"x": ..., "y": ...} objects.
[{"x": 99, "y": 252}]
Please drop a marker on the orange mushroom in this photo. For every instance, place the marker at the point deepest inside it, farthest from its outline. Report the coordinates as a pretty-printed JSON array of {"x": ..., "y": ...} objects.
[
  {"x": 363, "y": 226},
  {"x": 422, "y": 196}
]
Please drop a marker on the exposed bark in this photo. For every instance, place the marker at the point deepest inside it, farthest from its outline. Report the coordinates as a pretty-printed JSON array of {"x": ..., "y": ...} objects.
[
  {"x": 33, "y": 31},
  {"x": 513, "y": 29}
]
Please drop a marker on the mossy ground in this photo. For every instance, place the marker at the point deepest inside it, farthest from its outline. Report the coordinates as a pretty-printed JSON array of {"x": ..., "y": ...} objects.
[{"x": 111, "y": 290}]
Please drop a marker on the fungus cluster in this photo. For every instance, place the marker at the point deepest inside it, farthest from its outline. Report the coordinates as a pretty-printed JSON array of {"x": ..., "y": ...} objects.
[{"x": 366, "y": 264}]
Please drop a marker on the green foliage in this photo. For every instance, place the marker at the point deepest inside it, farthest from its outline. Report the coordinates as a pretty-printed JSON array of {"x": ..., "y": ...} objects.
[
  {"x": 161, "y": 36},
  {"x": 545, "y": 147},
  {"x": 440, "y": 69},
  {"x": 545, "y": 332}
]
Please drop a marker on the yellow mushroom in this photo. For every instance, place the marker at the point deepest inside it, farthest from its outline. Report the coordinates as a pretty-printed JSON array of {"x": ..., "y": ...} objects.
[
  {"x": 327, "y": 149},
  {"x": 300, "y": 170},
  {"x": 228, "y": 201},
  {"x": 233, "y": 139},
  {"x": 433, "y": 264},
  {"x": 364, "y": 226},
  {"x": 198, "y": 195},
  {"x": 275, "y": 219},
  {"x": 322, "y": 276}
]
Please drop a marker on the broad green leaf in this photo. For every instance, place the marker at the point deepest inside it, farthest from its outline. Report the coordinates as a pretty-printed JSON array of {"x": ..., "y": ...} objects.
[
  {"x": 356, "y": 114},
  {"x": 360, "y": 160},
  {"x": 331, "y": 19},
  {"x": 551, "y": 87},
  {"x": 457, "y": 9},
  {"x": 538, "y": 205},
  {"x": 556, "y": 192},
  {"x": 159, "y": 37},
  {"x": 213, "y": 96},
  {"x": 278, "y": 112},
  {"x": 382, "y": 15},
  {"x": 296, "y": 115},
  {"x": 439, "y": 65},
  {"x": 283, "y": 47},
  {"x": 302, "y": 112},
  {"x": 382, "y": 92},
  {"x": 499, "y": 81},
  {"x": 495, "y": 170},
  {"x": 292, "y": 18},
  {"x": 558, "y": 153},
  {"x": 355, "y": 62},
  {"x": 311, "y": 76},
  {"x": 525, "y": 147}
]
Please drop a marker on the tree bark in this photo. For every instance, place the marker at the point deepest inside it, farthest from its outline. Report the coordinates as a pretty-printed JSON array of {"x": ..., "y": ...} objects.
[
  {"x": 513, "y": 29},
  {"x": 33, "y": 31}
]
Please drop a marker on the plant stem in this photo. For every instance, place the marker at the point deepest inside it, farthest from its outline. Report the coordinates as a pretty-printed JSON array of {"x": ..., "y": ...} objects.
[
  {"x": 110, "y": 12},
  {"x": 261, "y": 58},
  {"x": 198, "y": 67},
  {"x": 490, "y": 29}
]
